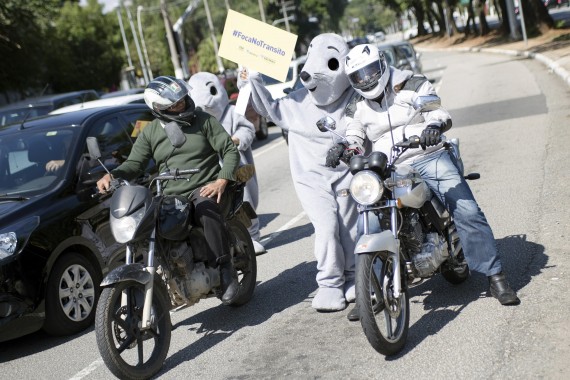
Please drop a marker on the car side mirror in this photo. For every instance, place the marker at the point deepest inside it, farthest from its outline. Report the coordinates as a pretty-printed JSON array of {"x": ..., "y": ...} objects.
[{"x": 93, "y": 148}]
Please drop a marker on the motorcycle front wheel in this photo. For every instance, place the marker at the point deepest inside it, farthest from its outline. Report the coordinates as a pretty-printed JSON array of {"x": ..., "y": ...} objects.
[
  {"x": 245, "y": 262},
  {"x": 129, "y": 351},
  {"x": 384, "y": 318}
]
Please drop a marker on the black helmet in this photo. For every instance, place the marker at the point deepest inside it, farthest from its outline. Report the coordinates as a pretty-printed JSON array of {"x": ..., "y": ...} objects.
[{"x": 165, "y": 93}]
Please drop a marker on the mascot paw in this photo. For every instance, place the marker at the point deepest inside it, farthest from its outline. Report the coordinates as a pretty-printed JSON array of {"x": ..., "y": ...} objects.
[
  {"x": 350, "y": 291},
  {"x": 329, "y": 299}
]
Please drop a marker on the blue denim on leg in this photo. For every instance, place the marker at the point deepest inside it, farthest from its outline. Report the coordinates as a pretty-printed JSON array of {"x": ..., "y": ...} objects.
[{"x": 443, "y": 178}]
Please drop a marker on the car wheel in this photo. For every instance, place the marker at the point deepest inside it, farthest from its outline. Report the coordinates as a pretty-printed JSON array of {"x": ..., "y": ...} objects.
[
  {"x": 262, "y": 132},
  {"x": 71, "y": 295}
]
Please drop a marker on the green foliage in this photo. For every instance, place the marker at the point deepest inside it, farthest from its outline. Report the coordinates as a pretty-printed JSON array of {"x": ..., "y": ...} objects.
[
  {"x": 87, "y": 54},
  {"x": 23, "y": 27},
  {"x": 366, "y": 16}
]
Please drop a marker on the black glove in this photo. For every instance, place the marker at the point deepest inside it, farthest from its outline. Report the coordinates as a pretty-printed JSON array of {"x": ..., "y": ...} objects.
[
  {"x": 430, "y": 136},
  {"x": 334, "y": 155}
]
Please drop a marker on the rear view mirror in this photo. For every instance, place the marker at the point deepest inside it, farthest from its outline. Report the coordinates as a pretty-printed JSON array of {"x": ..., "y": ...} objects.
[
  {"x": 326, "y": 124},
  {"x": 175, "y": 135},
  {"x": 427, "y": 103},
  {"x": 93, "y": 148}
]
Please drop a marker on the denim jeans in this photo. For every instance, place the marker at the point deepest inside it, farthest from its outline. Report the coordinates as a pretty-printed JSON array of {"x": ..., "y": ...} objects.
[{"x": 439, "y": 171}]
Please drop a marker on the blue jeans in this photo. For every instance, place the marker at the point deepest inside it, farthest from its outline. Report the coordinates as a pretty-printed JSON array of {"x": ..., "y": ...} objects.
[{"x": 439, "y": 171}]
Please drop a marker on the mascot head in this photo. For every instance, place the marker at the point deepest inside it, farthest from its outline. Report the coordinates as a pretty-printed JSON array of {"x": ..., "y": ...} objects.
[
  {"x": 323, "y": 74},
  {"x": 208, "y": 93}
]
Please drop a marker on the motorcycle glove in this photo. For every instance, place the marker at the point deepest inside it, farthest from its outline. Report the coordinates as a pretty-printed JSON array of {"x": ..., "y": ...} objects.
[
  {"x": 351, "y": 150},
  {"x": 431, "y": 135},
  {"x": 334, "y": 155}
]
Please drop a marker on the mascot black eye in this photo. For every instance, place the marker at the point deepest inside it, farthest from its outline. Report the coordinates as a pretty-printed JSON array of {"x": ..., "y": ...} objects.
[
  {"x": 213, "y": 90},
  {"x": 333, "y": 64}
]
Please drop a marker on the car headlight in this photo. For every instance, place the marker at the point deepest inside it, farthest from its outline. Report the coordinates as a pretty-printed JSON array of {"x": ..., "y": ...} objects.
[
  {"x": 14, "y": 238},
  {"x": 8, "y": 242},
  {"x": 124, "y": 228},
  {"x": 366, "y": 187}
]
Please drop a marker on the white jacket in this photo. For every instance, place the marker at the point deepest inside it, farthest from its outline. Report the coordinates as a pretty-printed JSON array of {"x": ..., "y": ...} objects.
[{"x": 367, "y": 119}]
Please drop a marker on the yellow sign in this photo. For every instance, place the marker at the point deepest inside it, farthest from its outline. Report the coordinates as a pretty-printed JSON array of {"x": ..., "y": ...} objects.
[{"x": 257, "y": 45}]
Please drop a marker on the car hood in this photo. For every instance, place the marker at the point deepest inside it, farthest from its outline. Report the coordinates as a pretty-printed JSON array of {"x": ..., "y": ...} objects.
[{"x": 12, "y": 211}]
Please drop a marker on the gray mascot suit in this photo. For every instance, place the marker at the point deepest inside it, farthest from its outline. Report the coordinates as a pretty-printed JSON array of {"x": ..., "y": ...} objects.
[
  {"x": 326, "y": 92},
  {"x": 209, "y": 94}
]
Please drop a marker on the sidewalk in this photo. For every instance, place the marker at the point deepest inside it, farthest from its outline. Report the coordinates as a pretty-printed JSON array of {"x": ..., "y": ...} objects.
[{"x": 552, "y": 48}]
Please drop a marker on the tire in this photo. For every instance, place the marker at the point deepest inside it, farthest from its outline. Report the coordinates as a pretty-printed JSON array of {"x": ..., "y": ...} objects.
[
  {"x": 455, "y": 271},
  {"x": 245, "y": 262},
  {"x": 71, "y": 295},
  {"x": 119, "y": 336},
  {"x": 385, "y": 328},
  {"x": 263, "y": 132}
]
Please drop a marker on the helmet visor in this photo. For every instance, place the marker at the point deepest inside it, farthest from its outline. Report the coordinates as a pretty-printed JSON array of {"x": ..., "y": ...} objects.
[
  {"x": 367, "y": 77},
  {"x": 169, "y": 91}
]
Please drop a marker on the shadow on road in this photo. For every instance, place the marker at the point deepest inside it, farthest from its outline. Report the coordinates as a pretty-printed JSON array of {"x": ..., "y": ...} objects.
[
  {"x": 522, "y": 260},
  {"x": 289, "y": 288}
]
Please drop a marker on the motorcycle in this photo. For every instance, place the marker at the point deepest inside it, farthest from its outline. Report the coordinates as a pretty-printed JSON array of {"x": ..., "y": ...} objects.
[
  {"x": 166, "y": 266},
  {"x": 417, "y": 237}
]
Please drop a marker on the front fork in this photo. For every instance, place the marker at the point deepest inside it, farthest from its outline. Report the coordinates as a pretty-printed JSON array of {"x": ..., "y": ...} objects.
[
  {"x": 395, "y": 251},
  {"x": 148, "y": 288}
]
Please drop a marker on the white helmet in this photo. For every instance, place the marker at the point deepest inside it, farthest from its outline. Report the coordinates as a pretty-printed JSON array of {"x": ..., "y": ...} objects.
[{"x": 367, "y": 70}]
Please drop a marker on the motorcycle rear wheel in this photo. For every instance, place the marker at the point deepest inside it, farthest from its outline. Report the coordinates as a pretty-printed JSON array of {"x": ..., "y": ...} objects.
[
  {"x": 128, "y": 351},
  {"x": 455, "y": 271},
  {"x": 386, "y": 328},
  {"x": 245, "y": 262}
]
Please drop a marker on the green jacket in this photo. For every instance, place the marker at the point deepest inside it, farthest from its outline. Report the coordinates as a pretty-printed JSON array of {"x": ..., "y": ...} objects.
[{"x": 206, "y": 144}]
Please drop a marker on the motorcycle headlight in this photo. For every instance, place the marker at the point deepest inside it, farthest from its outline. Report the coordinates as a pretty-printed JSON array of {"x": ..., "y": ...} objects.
[
  {"x": 124, "y": 228},
  {"x": 366, "y": 188}
]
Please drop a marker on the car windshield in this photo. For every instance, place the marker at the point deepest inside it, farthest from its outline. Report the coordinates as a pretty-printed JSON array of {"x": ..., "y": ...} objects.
[
  {"x": 407, "y": 49},
  {"x": 17, "y": 115},
  {"x": 31, "y": 162},
  {"x": 389, "y": 54}
]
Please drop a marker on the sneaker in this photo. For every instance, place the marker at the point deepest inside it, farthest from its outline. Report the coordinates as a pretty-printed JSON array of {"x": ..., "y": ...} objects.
[{"x": 258, "y": 248}]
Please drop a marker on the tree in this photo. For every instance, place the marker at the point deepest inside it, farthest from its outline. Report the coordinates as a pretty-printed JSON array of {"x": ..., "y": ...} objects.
[
  {"x": 85, "y": 52},
  {"x": 23, "y": 29}
]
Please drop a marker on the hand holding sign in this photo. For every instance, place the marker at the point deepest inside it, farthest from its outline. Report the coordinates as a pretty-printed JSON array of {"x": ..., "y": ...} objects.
[{"x": 257, "y": 45}]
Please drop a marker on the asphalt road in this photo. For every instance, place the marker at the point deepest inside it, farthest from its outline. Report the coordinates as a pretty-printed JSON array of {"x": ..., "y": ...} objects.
[{"x": 511, "y": 116}]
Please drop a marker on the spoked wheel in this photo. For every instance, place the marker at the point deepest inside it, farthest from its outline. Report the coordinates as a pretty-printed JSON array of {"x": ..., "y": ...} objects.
[
  {"x": 455, "y": 271},
  {"x": 129, "y": 351},
  {"x": 385, "y": 319},
  {"x": 245, "y": 262}
]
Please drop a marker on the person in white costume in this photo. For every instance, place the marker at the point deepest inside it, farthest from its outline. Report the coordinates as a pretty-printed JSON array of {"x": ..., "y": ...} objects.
[
  {"x": 326, "y": 91},
  {"x": 209, "y": 94}
]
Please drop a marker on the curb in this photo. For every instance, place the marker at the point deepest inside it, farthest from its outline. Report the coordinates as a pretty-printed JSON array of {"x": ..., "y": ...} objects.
[{"x": 552, "y": 65}]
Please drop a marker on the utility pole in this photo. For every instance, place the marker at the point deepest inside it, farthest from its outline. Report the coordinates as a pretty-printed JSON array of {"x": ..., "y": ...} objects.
[
  {"x": 261, "y": 10},
  {"x": 148, "y": 69},
  {"x": 171, "y": 43},
  {"x": 133, "y": 30},
  {"x": 214, "y": 39},
  {"x": 177, "y": 29},
  {"x": 130, "y": 74}
]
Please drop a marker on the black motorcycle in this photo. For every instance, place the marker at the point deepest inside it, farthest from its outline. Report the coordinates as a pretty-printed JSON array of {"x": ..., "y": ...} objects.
[
  {"x": 166, "y": 267},
  {"x": 417, "y": 236}
]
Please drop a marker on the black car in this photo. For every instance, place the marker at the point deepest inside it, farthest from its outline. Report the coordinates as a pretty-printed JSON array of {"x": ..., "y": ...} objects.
[
  {"x": 55, "y": 240},
  {"x": 42, "y": 105}
]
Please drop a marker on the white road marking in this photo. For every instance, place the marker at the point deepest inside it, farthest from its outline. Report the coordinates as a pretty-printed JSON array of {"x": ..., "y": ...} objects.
[
  {"x": 87, "y": 370},
  {"x": 286, "y": 226},
  {"x": 257, "y": 154}
]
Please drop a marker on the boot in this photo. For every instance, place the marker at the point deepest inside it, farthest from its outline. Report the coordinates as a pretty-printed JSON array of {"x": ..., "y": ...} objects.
[
  {"x": 353, "y": 315},
  {"x": 500, "y": 289},
  {"x": 230, "y": 285}
]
